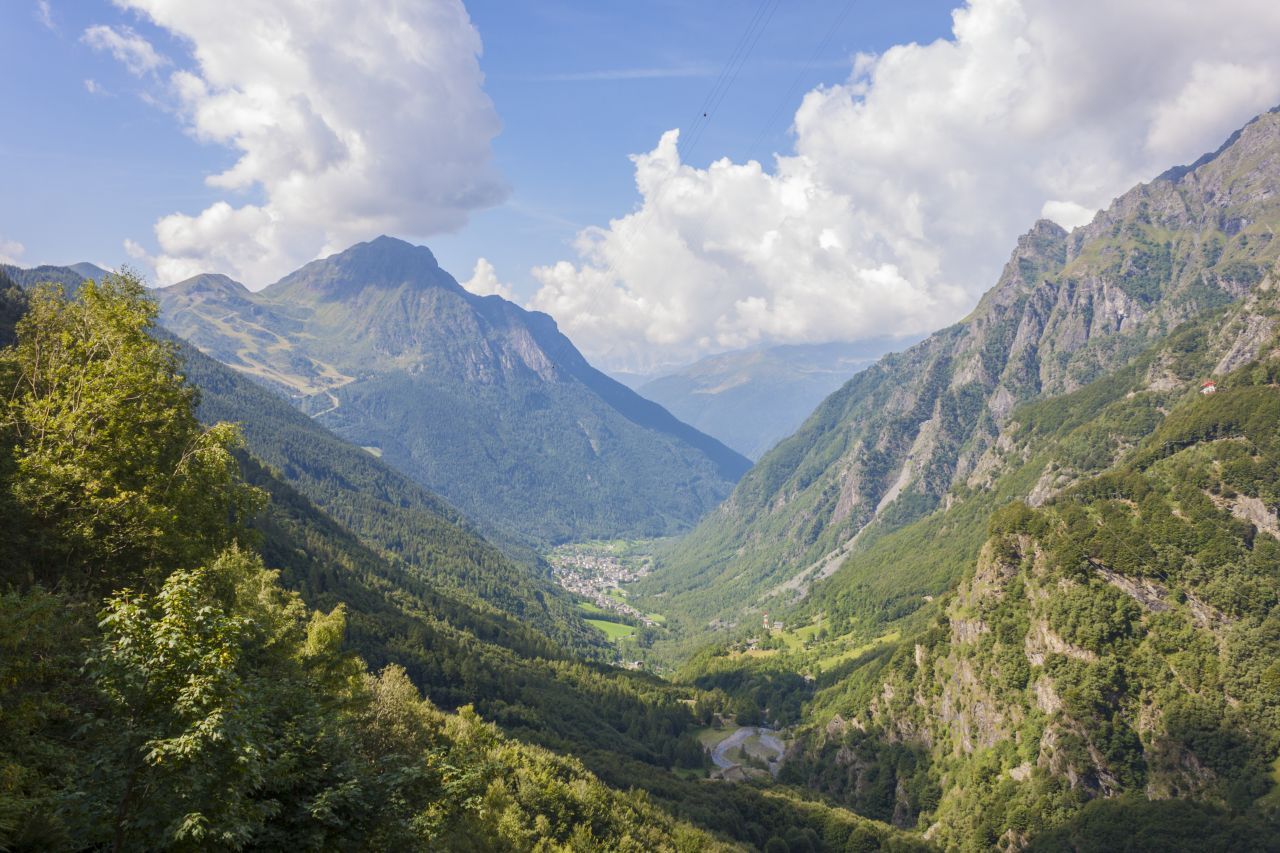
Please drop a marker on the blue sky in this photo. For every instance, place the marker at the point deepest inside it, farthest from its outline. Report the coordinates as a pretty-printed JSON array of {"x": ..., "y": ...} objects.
[
  {"x": 578, "y": 87},
  {"x": 866, "y": 173},
  {"x": 565, "y": 142},
  {"x": 83, "y": 172}
]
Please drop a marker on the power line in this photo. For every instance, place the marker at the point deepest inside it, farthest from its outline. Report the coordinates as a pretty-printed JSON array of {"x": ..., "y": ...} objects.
[
  {"x": 795, "y": 84},
  {"x": 733, "y": 67}
]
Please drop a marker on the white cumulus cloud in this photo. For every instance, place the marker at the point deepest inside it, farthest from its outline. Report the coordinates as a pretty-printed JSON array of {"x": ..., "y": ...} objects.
[
  {"x": 909, "y": 181},
  {"x": 484, "y": 281},
  {"x": 351, "y": 119},
  {"x": 11, "y": 251},
  {"x": 135, "y": 52}
]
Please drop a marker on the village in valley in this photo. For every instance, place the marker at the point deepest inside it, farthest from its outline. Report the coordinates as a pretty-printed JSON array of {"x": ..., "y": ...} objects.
[{"x": 597, "y": 571}]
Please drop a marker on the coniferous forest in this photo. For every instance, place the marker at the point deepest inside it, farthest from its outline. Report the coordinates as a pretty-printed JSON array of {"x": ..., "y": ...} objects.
[
  {"x": 363, "y": 556},
  {"x": 164, "y": 688}
]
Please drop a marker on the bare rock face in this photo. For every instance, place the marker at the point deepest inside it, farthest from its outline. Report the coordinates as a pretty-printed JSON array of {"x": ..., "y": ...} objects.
[
  {"x": 1256, "y": 512},
  {"x": 892, "y": 442}
]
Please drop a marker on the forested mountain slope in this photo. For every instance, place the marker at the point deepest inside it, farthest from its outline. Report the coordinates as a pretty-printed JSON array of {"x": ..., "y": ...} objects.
[
  {"x": 383, "y": 507},
  {"x": 1086, "y": 626},
  {"x": 390, "y": 513},
  {"x": 889, "y": 446},
  {"x": 12, "y": 307},
  {"x": 159, "y": 689},
  {"x": 255, "y": 724},
  {"x": 472, "y": 397},
  {"x": 26, "y": 277},
  {"x": 1115, "y": 640}
]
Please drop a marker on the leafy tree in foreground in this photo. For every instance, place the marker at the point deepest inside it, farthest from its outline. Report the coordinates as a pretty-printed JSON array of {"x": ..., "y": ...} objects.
[
  {"x": 206, "y": 707},
  {"x": 112, "y": 475},
  {"x": 223, "y": 711}
]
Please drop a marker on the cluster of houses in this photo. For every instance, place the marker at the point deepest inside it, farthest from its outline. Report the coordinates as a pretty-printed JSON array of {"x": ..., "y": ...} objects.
[{"x": 599, "y": 579}]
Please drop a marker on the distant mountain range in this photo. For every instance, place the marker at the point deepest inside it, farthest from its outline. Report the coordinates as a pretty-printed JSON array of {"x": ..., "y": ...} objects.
[
  {"x": 473, "y": 397},
  {"x": 68, "y": 277},
  {"x": 752, "y": 399}
]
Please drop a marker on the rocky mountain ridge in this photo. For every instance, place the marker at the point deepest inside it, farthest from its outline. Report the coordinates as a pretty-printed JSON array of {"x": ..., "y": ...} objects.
[
  {"x": 889, "y": 446},
  {"x": 1113, "y": 640},
  {"x": 472, "y": 397}
]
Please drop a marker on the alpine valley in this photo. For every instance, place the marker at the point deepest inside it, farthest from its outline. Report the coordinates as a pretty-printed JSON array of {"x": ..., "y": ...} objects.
[{"x": 362, "y": 560}]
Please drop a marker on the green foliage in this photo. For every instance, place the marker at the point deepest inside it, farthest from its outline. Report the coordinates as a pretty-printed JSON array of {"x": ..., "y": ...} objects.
[
  {"x": 764, "y": 691},
  {"x": 109, "y": 463},
  {"x": 217, "y": 715},
  {"x": 222, "y": 713},
  {"x": 209, "y": 708},
  {"x": 44, "y": 702},
  {"x": 13, "y": 304},
  {"x": 1145, "y": 270},
  {"x": 1134, "y": 824},
  {"x": 1093, "y": 617}
]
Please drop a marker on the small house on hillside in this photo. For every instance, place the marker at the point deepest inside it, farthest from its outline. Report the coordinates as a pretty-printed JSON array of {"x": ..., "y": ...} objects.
[{"x": 1208, "y": 387}]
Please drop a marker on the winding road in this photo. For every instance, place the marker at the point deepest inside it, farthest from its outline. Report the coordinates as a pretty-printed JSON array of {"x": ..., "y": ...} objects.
[{"x": 768, "y": 740}]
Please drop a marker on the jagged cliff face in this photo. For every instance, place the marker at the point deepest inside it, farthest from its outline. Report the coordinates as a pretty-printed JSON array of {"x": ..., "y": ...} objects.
[
  {"x": 1120, "y": 638},
  {"x": 473, "y": 397},
  {"x": 891, "y": 444}
]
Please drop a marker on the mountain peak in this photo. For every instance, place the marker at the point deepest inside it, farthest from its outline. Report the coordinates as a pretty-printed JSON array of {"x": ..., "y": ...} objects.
[
  {"x": 210, "y": 283},
  {"x": 89, "y": 270},
  {"x": 1039, "y": 250},
  {"x": 383, "y": 262},
  {"x": 387, "y": 244},
  {"x": 1044, "y": 229}
]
